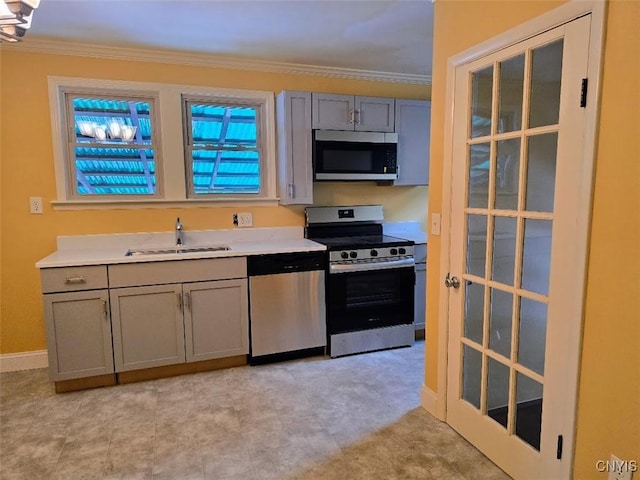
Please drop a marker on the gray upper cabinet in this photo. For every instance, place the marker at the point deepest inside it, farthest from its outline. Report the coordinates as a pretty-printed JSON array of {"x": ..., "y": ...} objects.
[
  {"x": 295, "y": 168},
  {"x": 348, "y": 112},
  {"x": 413, "y": 126}
]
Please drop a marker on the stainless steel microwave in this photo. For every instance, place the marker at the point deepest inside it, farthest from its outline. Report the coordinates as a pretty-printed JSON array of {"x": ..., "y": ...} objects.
[{"x": 353, "y": 156}]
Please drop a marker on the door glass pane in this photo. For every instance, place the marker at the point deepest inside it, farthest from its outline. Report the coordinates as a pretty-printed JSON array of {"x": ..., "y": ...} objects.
[
  {"x": 510, "y": 96},
  {"x": 498, "y": 391},
  {"x": 482, "y": 92},
  {"x": 532, "y": 334},
  {"x": 500, "y": 322},
  {"x": 474, "y": 312},
  {"x": 479, "y": 158},
  {"x": 504, "y": 250},
  {"x": 506, "y": 176},
  {"x": 546, "y": 73},
  {"x": 528, "y": 410},
  {"x": 471, "y": 375},
  {"x": 476, "y": 244},
  {"x": 541, "y": 172},
  {"x": 536, "y": 257}
]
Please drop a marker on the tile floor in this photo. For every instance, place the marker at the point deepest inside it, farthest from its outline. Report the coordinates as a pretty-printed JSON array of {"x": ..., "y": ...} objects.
[{"x": 351, "y": 418}]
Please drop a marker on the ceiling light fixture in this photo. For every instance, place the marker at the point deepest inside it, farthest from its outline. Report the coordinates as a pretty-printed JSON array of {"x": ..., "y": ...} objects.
[{"x": 15, "y": 18}]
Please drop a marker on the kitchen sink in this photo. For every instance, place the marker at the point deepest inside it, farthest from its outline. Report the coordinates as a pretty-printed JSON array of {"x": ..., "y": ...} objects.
[{"x": 166, "y": 251}]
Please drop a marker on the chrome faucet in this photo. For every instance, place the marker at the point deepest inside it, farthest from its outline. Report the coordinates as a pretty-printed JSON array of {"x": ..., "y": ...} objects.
[{"x": 179, "y": 228}]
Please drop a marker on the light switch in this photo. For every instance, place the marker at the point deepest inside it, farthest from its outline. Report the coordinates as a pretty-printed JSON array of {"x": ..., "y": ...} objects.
[{"x": 435, "y": 224}]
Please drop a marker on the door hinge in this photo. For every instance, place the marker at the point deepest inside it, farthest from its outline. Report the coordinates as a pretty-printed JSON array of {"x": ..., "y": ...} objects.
[
  {"x": 559, "y": 449},
  {"x": 583, "y": 93}
]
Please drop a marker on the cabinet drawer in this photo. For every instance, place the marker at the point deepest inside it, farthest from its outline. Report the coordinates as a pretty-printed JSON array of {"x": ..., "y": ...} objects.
[
  {"x": 178, "y": 271},
  {"x": 71, "y": 279}
]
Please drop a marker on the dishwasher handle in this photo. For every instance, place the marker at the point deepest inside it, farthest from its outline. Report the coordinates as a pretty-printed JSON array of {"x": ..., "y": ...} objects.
[{"x": 273, "y": 264}]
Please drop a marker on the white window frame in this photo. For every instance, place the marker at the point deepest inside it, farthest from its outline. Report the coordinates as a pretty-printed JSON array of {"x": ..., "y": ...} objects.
[{"x": 171, "y": 178}]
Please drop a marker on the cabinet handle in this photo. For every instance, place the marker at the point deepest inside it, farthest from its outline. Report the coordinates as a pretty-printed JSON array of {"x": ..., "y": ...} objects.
[
  {"x": 358, "y": 117},
  {"x": 352, "y": 116},
  {"x": 179, "y": 301},
  {"x": 105, "y": 312},
  {"x": 292, "y": 190},
  {"x": 187, "y": 300},
  {"x": 75, "y": 280}
]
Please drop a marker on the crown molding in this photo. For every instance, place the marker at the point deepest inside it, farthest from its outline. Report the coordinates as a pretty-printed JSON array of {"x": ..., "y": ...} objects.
[{"x": 59, "y": 47}]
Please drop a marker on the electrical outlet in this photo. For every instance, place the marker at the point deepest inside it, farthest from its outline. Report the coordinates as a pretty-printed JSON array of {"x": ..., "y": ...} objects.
[
  {"x": 620, "y": 469},
  {"x": 243, "y": 219},
  {"x": 35, "y": 204}
]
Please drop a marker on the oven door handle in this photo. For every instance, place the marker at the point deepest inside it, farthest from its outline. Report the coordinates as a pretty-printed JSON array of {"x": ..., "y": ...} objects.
[{"x": 368, "y": 266}]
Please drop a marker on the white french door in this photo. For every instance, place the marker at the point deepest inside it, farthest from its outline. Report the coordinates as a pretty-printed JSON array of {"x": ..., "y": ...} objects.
[{"x": 514, "y": 305}]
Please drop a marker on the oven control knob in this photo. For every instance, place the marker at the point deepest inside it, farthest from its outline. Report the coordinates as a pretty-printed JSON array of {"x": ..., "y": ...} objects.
[
  {"x": 344, "y": 255},
  {"x": 353, "y": 254},
  {"x": 402, "y": 251},
  {"x": 373, "y": 253},
  {"x": 393, "y": 251}
]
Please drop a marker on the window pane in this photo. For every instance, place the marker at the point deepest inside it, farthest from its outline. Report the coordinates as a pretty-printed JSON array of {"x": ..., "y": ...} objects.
[
  {"x": 506, "y": 174},
  {"x": 113, "y": 146},
  {"x": 504, "y": 250},
  {"x": 546, "y": 73},
  {"x": 498, "y": 391},
  {"x": 510, "y": 96},
  {"x": 474, "y": 312},
  {"x": 225, "y": 171},
  {"x": 476, "y": 244},
  {"x": 224, "y": 148},
  {"x": 536, "y": 258},
  {"x": 99, "y": 120},
  {"x": 479, "y": 175},
  {"x": 500, "y": 322},
  {"x": 528, "y": 410},
  {"x": 481, "y": 87},
  {"x": 541, "y": 172},
  {"x": 471, "y": 375},
  {"x": 115, "y": 171}
]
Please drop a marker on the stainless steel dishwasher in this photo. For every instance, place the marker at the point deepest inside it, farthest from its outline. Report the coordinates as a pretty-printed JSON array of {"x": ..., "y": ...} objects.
[{"x": 287, "y": 305}]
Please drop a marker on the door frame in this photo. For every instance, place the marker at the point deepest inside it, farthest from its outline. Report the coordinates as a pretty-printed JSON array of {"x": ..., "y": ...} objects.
[{"x": 436, "y": 402}]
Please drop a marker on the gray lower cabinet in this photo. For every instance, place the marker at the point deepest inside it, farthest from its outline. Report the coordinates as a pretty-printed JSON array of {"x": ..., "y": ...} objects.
[
  {"x": 413, "y": 126},
  {"x": 348, "y": 112},
  {"x": 420, "y": 255},
  {"x": 180, "y": 313},
  {"x": 76, "y": 315},
  {"x": 148, "y": 327},
  {"x": 216, "y": 319},
  {"x": 78, "y": 334},
  {"x": 295, "y": 167}
]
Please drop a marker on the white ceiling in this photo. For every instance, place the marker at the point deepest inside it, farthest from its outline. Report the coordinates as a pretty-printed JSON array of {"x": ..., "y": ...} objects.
[{"x": 379, "y": 35}]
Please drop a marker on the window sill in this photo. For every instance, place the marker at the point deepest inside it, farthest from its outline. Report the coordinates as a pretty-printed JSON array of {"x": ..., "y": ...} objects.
[{"x": 138, "y": 203}]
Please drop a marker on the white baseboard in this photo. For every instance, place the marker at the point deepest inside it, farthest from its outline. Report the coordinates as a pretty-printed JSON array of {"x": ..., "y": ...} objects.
[
  {"x": 432, "y": 403},
  {"x": 13, "y": 362}
]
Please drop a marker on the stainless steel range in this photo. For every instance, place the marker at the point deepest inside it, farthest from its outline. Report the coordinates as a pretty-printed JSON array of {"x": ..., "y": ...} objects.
[{"x": 370, "y": 281}]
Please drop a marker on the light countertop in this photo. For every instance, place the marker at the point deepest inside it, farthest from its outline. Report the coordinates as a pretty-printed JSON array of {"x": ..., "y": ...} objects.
[{"x": 112, "y": 249}]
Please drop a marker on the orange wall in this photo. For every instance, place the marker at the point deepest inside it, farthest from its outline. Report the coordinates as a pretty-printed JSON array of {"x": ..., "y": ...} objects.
[
  {"x": 27, "y": 169},
  {"x": 609, "y": 396}
]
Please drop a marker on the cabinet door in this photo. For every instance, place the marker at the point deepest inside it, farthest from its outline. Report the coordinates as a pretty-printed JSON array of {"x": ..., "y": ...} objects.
[
  {"x": 148, "y": 329},
  {"x": 78, "y": 334},
  {"x": 333, "y": 112},
  {"x": 216, "y": 319},
  {"x": 413, "y": 126},
  {"x": 374, "y": 114},
  {"x": 295, "y": 166},
  {"x": 420, "y": 296}
]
